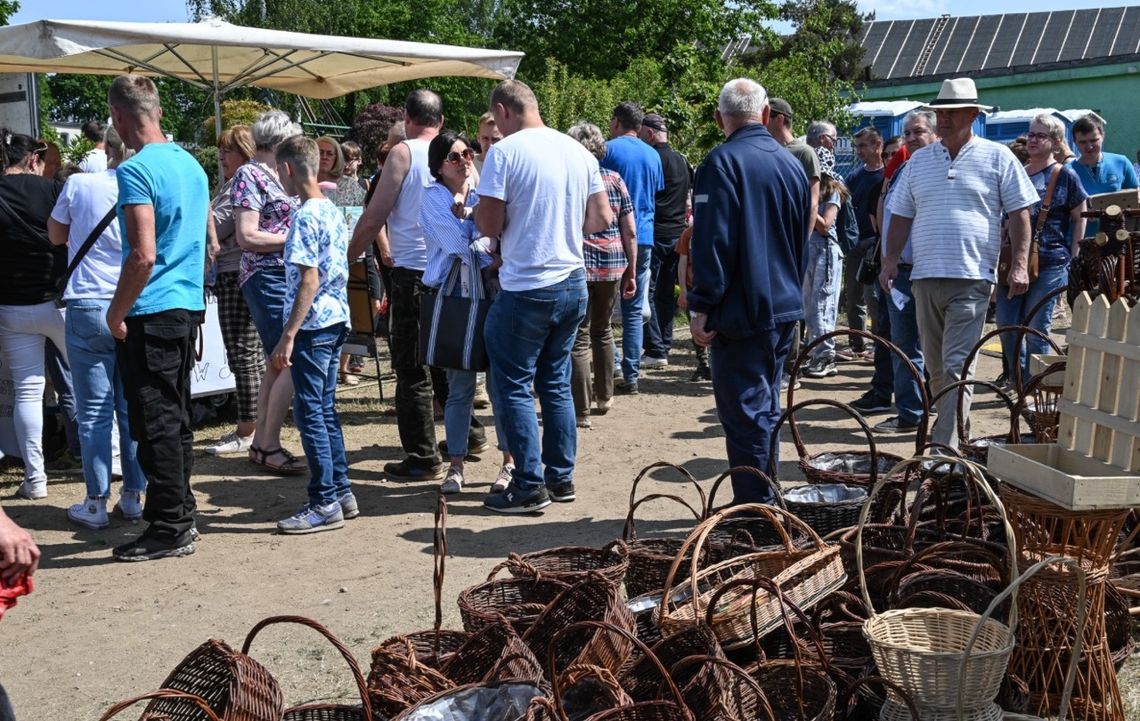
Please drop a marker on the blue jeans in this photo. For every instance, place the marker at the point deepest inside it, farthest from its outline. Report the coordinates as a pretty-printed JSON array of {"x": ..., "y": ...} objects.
[
  {"x": 883, "y": 380},
  {"x": 99, "y": 395},
  {"x": 529, "y": 336},
  {"x": 821, "y": 293},
  {"x": 746, "y": 385},
  {"x": 316, "y": 359},
  {"x": 264, "y": 293},
  {"x": 60, "y": 373},
  {"x": 904, "y": 334},
  {"x": 1011, "y": 311},
  {"x": 457, "y": 411},
  {"x": 632, "y": 319}
]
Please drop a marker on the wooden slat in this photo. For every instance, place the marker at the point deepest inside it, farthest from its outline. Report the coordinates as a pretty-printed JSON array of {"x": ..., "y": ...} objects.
[
  {"x": 1108, "y": 345},
  {"x": 1098, "y": 420},
  {"x": 1111, "y": 369},
  {"x": 1072, "y": 390},
  {"x": 1126, "y": 451},
  {"x": 1090, "y": 377}
]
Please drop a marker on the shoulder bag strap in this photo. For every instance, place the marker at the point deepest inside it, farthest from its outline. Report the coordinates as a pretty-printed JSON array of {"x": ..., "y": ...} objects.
[
  {"x": 96, "y": 232},
  {"x": 1046, "y": 202}
]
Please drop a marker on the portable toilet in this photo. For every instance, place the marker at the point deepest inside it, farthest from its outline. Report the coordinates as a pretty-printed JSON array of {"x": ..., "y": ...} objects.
[
  {"x": 1005, "y": 126},
  {"x": 885, "y": 116}
]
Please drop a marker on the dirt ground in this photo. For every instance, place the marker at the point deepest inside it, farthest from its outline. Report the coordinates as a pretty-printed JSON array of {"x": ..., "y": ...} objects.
[{"x": 96, "y": 631}]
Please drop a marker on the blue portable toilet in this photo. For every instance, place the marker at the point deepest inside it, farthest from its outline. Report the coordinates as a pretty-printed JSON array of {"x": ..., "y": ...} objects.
[
  {"x": 887, "y": 117},
  {"x": 1005, "y": 126}
]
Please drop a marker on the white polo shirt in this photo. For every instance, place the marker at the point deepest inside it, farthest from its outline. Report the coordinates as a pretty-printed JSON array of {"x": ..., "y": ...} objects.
[{"x": 957, "y": 207}]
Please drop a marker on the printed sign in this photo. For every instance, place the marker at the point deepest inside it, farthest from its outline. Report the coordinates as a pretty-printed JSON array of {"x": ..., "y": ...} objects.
[{"x": 211, "y": 374}]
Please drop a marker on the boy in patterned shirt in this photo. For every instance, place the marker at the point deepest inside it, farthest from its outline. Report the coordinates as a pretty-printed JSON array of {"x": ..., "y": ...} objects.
[{"x": 316, "y": 276}]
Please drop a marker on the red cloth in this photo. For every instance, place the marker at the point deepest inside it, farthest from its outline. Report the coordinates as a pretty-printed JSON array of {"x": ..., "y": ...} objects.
[
  {"x": 897, "y": 160},
  {"x": 9, "y": 593}
]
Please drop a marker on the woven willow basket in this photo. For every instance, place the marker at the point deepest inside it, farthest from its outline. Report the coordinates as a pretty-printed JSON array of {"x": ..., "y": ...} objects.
[{"x": 922, "y": 649}]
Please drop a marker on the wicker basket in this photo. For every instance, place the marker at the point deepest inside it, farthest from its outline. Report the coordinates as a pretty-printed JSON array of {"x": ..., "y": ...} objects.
[
  {"x": 977, "y": 449},
  {"x": 570, "y": 564},
  {"x": 519, "y": 600},
  {"x": 716, "y": 689},
  {"x": 595, "y": 598},
  {"x": 495, "y": 652},
  {"x": 236, "y": 687},
  {"x": 665, "y": 464},
  {"x": 895, "y": 693},
  {"x": 650, "y": 558},
  {"x": 511, "y": 700},
  {"x": 324, "y": 711},
  {"x": 192, "y": 704},
  {"x": 806, "y": 575},
  {"x": 738, "y": 536},
  {"x": 1118, "y": 626},
  {"x": 920, "y": 649},
  {"x": 674, "y": 710},
  {"x": 810, "y": 693},
  {"x": 827, "y": 516},
  {"x": 640, "y": 675}
]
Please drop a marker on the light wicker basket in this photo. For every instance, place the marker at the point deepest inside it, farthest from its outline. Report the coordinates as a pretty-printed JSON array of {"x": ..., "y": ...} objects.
[
  {"x": 806, "y": 574},
  {"x": 922, "y": 649}
]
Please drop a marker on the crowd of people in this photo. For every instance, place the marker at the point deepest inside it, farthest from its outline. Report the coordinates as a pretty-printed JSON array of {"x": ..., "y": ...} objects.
[{"x": 551, "y": 234}]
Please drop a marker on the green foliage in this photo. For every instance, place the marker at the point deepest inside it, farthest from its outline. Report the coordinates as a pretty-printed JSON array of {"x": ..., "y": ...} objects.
[
  {"x": 234, "y": 112},
  {"x": 75, "y": 153},
  {"x": 8, "y": 8},
  {"x": 207, "y": 157}
]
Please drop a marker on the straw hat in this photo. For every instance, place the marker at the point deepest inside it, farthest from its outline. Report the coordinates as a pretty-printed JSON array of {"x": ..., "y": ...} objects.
[{"x": 957, "y": 93}]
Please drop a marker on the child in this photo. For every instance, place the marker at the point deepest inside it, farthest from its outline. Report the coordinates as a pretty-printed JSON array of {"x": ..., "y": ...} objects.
[{"x": 316, "y": 275}]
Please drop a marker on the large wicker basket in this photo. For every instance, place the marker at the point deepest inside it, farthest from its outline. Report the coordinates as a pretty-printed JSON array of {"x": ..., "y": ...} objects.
[
  {"x": 806, "y": 575},
  {"x": 922, "y": 649},
  {"x": 571, "y": 564},
  {"x": 235, "y": 686},
  {"x": 174, "y": 699}
]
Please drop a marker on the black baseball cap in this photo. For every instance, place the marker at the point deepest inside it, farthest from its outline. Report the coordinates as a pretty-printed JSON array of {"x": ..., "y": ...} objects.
[{"x": 781, "y": 107}]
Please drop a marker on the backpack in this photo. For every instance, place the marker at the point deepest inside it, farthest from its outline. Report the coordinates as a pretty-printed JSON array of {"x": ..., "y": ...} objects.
[{"x": 846, "y": 228}]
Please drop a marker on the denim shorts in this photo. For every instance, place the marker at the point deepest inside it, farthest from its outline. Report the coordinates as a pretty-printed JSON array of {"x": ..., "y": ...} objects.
[{"x": 264, "y": 293}]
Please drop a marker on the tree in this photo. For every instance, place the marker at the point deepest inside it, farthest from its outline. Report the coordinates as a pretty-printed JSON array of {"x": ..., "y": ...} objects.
[
  {"x": 8, "y": 8},
  {"x": 234, "y": 112},
  {"x": 371, "y": 126}
]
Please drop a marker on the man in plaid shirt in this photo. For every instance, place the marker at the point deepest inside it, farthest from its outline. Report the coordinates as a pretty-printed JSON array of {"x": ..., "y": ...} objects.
[{"x": 610, "y": 259}]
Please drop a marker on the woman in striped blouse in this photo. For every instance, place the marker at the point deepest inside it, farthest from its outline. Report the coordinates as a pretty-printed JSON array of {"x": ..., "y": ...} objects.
[{"x": 446, "y": 216}]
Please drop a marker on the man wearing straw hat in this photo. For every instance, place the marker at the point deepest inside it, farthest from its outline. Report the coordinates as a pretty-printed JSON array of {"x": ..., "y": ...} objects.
[{"x": 950, "y": 204}]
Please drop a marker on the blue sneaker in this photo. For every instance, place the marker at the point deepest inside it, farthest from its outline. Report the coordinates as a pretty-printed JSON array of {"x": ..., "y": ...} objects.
[
  {"x": 348, "y": 504},
  {"x": 313, "y": 519}
]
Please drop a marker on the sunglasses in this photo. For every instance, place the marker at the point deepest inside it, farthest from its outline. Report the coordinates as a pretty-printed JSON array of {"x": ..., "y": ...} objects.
[{"x": 454, "y": 157}]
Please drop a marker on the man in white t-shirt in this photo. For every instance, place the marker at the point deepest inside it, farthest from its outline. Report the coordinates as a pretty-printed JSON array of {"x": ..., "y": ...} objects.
[
  {"x": 396, "y": 204},
  {"x": 96, "y": 159},
  {"x": 950, "y": 203},
  {"x": 541, "y": 192}
]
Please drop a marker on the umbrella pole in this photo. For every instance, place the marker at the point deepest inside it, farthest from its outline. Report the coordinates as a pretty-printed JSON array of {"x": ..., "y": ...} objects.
[{"x": 217, "y": 109}]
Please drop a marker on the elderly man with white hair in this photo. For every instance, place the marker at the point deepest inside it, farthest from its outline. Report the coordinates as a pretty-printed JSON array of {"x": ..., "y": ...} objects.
[{"x": 752, "y": 214}]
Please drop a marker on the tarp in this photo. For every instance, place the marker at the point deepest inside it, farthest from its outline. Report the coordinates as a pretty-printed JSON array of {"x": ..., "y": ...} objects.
[{"x": 218, "y": 56}]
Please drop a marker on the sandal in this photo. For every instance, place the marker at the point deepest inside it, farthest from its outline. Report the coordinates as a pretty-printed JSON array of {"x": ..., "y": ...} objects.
[
  {"x": 292, "y": 465},
  {"x": 349, "y": 379}
]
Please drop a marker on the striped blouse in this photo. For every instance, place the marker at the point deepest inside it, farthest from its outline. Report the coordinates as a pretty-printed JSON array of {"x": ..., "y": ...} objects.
[{"x": 446, "y": 236}]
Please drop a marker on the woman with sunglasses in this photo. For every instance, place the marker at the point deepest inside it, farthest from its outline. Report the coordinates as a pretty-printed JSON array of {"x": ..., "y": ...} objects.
[
  {"x": 449, "y": 231},
  {"x": 1061, "y": 228},
  {"x": 30, "y": 313}
]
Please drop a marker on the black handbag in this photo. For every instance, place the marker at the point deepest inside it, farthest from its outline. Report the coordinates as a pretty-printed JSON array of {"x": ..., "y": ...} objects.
[
  {"x": 869, "y": 266},
  {"x": 451, "y": 324}
]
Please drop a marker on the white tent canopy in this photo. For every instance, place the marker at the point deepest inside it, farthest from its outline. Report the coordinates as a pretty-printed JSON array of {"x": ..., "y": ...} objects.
[{"x": 217, "y": 56}]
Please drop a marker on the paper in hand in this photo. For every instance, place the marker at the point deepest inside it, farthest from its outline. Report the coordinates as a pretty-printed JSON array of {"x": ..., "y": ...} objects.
[{"x": 899, "y": 298}]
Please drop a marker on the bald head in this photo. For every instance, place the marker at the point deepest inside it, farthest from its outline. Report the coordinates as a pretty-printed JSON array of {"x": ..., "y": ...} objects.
[{"x": 514, "y": 107}]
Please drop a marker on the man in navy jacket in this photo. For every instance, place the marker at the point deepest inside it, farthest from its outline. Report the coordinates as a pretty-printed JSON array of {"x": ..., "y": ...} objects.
[{"x": 751, "y": 207}]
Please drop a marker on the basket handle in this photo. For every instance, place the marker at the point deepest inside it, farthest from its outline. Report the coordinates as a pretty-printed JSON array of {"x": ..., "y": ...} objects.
[
  {"x": 510, "y": 657},
  {"x": 609, "y": 628},
  {"x": 665, "y": 464},
  {"x": 970, "y": 469},
  {"x": 849, "y": 693},
  {"x": 991, "y": 558},
  {"x": 353, "y": 666},
  {"x": 517, "y": 565},
  {"x": 805, "y": 352},
  {"x": 696, "y": 542},
  {"x": 439, "y": 561},
  {"x": 770, "y": 481},
  {"x": 787, "y": 415},
  {"x": 1021, "y": 331},
  {"x": 161, "y": 693},
  {"x": 732, "y": 668},
  {"x": 629, "y": 531},
  {"x": 930, "y": 487},
  {"x": 1082, "y": 617}
]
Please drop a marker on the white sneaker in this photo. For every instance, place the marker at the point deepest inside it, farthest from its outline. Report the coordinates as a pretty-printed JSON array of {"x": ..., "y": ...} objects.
[
  {"x": 604, "y": 406},
  {"x": 651, "y": 362},
  {"x": 503, "y": 479},
  {"x": 91, "y": 512},
  {"x": 453, "y": 481},
  {"x": 129, "y": 505},
  {"x": 230, "y": 443},
  {"x": 32, "y": 490}
]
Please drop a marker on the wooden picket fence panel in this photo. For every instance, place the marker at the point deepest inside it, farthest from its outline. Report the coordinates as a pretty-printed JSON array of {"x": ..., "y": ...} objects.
[{"x": 1100, "y": 405}]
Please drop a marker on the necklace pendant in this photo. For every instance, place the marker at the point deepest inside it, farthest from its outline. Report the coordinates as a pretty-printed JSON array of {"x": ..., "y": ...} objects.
[{"x": 951, "y": 174}]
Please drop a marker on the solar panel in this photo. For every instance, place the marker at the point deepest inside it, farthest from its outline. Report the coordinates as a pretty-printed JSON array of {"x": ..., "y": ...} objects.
[
  {"x": 1053, "y": 36},
  {"x": 1083, "y": 24},
  {"x": 894, "y": 49},
  {"x": 955, "y": 47}
]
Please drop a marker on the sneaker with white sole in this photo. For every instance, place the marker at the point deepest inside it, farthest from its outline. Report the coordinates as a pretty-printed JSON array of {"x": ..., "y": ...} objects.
[
  {"x": 653, "y": 362},
  {"x": 129, "y": 505},
  {"x": 348, "y": 505},
  {"x": 503, "y": 479},
  {"x": 32, "y": 490},
  {"x": 453, "y": 481},
  {"x": 90, "y": 513},
  {"x": 821, "y": 367},
  {"x": 313, "y": 519},
  {"x": 230, "y": 443},
  {"x": 603, "y": 407}
]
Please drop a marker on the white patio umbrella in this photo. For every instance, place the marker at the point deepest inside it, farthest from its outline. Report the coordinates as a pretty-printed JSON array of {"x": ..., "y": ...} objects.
[{"x": 218, "y": 57}]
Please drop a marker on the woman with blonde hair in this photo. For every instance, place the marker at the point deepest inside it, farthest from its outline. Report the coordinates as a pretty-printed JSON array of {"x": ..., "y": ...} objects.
[
  {"x": 239, "y": 334},
  {"x": 335, "y": 167}
]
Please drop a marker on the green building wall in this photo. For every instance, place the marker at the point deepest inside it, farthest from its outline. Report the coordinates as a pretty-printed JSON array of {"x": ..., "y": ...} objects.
[{"x": 1111, "y": 90}]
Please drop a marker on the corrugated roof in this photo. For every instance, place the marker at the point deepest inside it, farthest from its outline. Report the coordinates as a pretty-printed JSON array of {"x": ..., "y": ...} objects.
[{"x": 998, "y": 44}]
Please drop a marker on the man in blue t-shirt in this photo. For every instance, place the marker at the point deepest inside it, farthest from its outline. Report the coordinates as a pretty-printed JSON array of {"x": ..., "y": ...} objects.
[
  {"x": 1100, "y": 172},
  {"x": 639, "y": 166},
  {"x": 159, "y": 301}
]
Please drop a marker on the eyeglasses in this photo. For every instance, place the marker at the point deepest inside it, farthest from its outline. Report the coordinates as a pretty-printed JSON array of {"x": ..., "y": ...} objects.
[
  {"x": 1038, "y": 136},
  {"x": 454, "y": 157}
]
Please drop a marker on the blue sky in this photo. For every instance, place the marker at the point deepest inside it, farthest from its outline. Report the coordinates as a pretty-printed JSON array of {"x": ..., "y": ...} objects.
[{"x": 175, "y": 10}]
